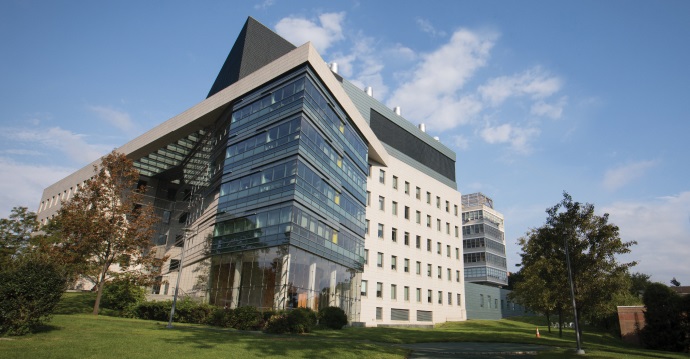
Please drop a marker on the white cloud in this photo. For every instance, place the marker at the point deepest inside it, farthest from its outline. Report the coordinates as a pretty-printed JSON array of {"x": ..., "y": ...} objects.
[
  {"x": 498, "y": 134},
  {"x": 21, "y": 152},
  {"x": 661, "y": 227},
  {"x": 618, "y": 177},
  {"x": 403, "y": 52},
  {"x": 432, "y": 92},
  {"x": 119, "y": 119},
  {"x": 23, "y": 184},
  {"x": 264, "y": 4},
  {"x": 551, "y": 110},
  {"x": 517, "y": 137},
  {"x": 71, "y": 144},
  {"x": 535, "y": 83},
  {"x": 426, "y": 26},
  {"x": 362, "y": 65},
  {"x": 300, "y": 30},
  {"x": 460, "y": 142}
]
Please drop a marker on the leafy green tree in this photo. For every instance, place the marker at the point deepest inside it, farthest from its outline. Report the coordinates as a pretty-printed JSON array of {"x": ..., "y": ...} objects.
[
  {"x": 593, "y": 244},
  {"x": 542, "y": 287},
  {"x": 639, "y": 283},
  {"x": 105, "y": 230},
  {"x": 15, "y": 234}
]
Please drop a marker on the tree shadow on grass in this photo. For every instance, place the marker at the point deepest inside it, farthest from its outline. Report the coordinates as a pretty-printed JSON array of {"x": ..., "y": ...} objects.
[
  {"x": 46, "y": 328},
  {"x": 268, "y": 345},
  {"x": 76, "y": 303}
]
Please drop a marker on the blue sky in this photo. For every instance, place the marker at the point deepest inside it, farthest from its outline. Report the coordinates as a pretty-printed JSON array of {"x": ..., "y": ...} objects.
[{"x": 535, "y": 97}]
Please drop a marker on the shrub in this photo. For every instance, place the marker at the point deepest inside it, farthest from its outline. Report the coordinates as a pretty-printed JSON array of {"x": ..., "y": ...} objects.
[
  {"x": 189, "y": 311},
  {"x": 268, "y": 314},
  {"x": 122, "y": 293},
  {"x": 29, "y": 293},
  {"x": 332, "y": 317},
  {"x": 220, "y": 317},
  {"x": 246, "y": 318},
  {"x": 301, "y": 320},
  {"x": 277, "y": 324},
  {"x": 153, "y": 310},
  {"x": 186, "y": 311}
]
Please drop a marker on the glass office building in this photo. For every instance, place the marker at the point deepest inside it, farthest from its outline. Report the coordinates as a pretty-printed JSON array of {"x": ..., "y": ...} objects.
[
  {"x": 265, "y": 194},
  {"x": 484, "y": 241},
  {"x": 290, "y": 225}
]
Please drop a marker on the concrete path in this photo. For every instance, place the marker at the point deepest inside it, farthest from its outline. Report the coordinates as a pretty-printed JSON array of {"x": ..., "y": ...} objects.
[{"x": 473, "y": 350}]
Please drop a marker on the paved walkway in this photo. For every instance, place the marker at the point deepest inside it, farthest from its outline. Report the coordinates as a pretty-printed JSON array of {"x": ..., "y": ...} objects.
[{"x": 473, "y": 350}]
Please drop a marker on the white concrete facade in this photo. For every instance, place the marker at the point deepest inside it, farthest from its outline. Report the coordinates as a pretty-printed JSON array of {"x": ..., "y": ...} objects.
[{"x": 427, "y": 253}]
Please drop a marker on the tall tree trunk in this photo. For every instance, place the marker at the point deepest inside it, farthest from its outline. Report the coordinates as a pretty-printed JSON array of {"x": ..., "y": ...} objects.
[
  {"x": 548, "y": 320},
  {"x": 99, "y": 287},
  {"x": 560, "y": 321}
]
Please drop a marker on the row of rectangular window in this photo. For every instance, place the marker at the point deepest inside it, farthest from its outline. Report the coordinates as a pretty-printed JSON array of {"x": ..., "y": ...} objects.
[
  {"x": 418, "y": 240},
  {"x": 509, "y": 305},
  {"x": 428, "y": 224},
  {"x": 406, "y": 293},
  {"x": 418, "y": 266},
  {"x": 418, "y": 191}
]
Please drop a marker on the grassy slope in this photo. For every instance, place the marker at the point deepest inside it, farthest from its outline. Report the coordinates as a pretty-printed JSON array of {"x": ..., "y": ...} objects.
[{"x": 73, "y": 334}]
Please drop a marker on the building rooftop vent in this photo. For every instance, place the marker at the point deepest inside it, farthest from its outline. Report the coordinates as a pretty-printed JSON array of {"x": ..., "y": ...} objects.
[
  {"x": 334, "y": 67},
  {"x": 422, "y": 127},
  {"x": 437, "y": 139},
  {"x": 397, "y": 110},
  {"x": 369, "y": 90}
]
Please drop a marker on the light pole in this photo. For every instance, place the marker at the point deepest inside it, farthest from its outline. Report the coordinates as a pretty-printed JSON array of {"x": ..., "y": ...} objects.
[
  {"x": 179, "y": 274},
  {"x": 572, "y": 295}
]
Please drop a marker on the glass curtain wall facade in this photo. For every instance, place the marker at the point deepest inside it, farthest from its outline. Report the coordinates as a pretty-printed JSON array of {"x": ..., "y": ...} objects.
[
  {"x": 483, "y": 236},
  {"x": 290, "y": 225}
]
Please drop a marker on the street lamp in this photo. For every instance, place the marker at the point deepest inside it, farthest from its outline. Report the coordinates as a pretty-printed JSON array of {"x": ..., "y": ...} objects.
[
  {"x": 179, "y": 274},
  {"x": 572, "y": 295}
]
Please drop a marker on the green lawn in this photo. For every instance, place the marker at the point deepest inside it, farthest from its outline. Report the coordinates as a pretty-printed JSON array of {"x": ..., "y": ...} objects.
[{"x": 73, "y": 334}]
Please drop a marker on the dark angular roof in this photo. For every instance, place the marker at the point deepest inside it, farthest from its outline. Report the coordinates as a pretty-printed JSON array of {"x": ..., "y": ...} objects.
[
  {"x": 255, "y": 47},
  {"x": 682, "y": 290}
]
